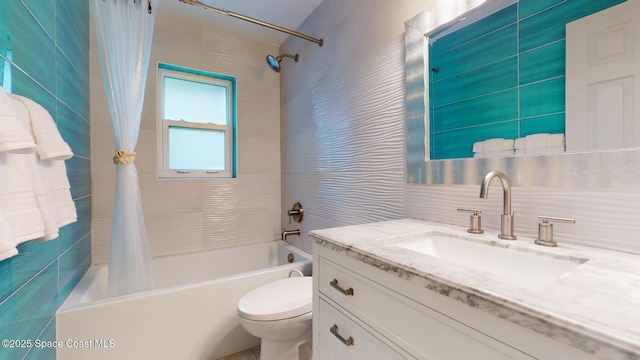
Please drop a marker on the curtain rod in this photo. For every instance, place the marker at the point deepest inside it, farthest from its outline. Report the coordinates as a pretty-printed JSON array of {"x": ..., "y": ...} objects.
[{"x": 255, "y": 21}]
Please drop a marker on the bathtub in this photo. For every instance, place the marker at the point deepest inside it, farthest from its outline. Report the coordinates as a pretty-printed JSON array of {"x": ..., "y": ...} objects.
[{"x": 190, "y": 315}]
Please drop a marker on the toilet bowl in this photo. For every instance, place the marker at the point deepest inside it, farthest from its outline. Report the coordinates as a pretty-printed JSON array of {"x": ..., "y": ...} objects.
[{"x": 279, "y": 313}]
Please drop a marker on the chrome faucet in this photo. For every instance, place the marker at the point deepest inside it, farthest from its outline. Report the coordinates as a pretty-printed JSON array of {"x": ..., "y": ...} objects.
[
  {"x": 506, "y": 220},
  {"x": 286, "y": 233}
]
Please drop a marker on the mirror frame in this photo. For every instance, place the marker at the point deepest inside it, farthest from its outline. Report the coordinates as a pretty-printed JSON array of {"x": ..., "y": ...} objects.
[{"x": 610, "y": 169}]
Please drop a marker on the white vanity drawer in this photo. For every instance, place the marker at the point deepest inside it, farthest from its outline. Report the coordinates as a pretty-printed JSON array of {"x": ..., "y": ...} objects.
[
  {"x": 342, "y": 338},
  {"x": 416, "y": 328}
]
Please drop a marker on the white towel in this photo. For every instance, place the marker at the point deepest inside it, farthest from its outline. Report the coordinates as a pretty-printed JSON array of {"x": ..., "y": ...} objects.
[
  {"x": 39, "y": 177},
  {"x": 7, "y": 239},
  {"x": 478, "y": 146},
  {"x": 13, "y": 138},
  {"x": 519, "y": 144},
  {"x": 555, "y": 141},
  {"x": 498, "y": 144},
  {"x": 45, "y": 132},
  {"x": 51, "y": 184},
  {"x": 536, "y": 143},
  {"x": 493, "y": 148},
  {"x": 18, "y": 201}
]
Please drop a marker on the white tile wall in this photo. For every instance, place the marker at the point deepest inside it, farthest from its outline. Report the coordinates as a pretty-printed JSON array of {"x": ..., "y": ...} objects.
[
  {"x": 343, "y": 116},
  {"x": 195, "y": 215}
]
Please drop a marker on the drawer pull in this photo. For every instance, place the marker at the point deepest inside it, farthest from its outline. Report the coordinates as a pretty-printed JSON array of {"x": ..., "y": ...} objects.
[
  {"x": 346, "y": 342},
  {"x": 347, "y": 292}
]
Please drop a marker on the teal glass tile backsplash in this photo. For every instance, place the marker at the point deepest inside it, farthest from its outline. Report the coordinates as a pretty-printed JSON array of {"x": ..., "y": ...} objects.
[
  {"x": 507, "y": 68},
  {"x": 46, "y": 46}
]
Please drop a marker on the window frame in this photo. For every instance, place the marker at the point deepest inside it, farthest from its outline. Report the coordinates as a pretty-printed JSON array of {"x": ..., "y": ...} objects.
[{"x": 182, "y": 73}]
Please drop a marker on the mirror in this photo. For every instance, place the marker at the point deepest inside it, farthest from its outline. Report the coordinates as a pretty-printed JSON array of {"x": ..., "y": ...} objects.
[
  {"x": 498, "y": 71},
  {"x": 599, "y": 169}
]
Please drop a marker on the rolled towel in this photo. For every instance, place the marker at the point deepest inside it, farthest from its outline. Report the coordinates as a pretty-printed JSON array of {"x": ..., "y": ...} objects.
[
  {"x": 50, "y": 144},
  {"x": 13, "y": 138}
]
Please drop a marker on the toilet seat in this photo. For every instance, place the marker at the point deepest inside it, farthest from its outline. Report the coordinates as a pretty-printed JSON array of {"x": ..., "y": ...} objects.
[{"x": 281, "y": 299}]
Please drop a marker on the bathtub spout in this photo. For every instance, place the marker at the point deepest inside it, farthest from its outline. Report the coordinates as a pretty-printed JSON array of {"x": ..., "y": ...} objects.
[{"x": 286, "y": 233}]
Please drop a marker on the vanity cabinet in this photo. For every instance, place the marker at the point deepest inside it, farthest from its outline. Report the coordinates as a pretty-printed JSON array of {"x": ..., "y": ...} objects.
[{"x": 364, "y": 312}]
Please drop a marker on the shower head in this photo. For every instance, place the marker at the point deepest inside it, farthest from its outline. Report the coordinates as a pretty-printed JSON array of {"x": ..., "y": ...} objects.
[{"x": 274, "y": 62}]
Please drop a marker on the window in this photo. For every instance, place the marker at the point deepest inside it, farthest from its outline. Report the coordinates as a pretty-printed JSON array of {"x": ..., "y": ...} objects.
[{"x": 196, "y": 123}]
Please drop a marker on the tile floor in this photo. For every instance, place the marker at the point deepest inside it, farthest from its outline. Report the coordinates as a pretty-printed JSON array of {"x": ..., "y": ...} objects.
[
  {"x": 249, "y": 354},
  {"x": 306, "y": 353}
]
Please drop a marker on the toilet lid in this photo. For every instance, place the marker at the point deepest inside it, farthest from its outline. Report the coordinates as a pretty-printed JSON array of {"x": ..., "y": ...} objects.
[{"x": 278, "y": 300}]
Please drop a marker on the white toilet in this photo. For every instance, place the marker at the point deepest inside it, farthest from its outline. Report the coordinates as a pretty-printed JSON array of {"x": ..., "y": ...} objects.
[{"x": 280, "y": 314}]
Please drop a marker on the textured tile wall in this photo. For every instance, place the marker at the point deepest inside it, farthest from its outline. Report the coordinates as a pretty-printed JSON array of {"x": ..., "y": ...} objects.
[
  {"x": 196, "y": 215},
  {"x": 343, "y": 132},
  {"x": 49, "y": 42},
  {"x": 502, "y": 76},
  {"x": 343, "y": 135}
]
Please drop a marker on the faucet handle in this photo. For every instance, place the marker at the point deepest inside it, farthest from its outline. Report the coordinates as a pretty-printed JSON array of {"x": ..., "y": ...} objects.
[
  {"x": 475, "y": 221},
  {"x": 296, "y": 213},
  {"x": 545, "y": 229}
]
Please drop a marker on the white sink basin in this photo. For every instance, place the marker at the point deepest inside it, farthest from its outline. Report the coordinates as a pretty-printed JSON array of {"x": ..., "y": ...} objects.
[{"x": 517, "y": 268}]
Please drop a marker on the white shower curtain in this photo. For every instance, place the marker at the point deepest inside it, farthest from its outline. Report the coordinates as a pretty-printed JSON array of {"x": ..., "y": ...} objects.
[{"x": 124, "y": 29}]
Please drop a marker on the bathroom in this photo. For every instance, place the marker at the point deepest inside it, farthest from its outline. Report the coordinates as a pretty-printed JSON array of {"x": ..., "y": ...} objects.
[{"x": 329, "y": 131}]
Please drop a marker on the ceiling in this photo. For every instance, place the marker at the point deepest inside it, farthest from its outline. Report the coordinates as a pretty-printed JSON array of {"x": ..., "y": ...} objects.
[{"x": 285, "y": 13}]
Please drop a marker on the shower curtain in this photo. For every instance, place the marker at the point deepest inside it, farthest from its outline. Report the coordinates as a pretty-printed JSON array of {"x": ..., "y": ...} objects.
[{"x": 124, "y": 29}]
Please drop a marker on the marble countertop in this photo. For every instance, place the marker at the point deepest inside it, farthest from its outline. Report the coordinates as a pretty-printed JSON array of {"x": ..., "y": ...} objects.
[{"x": 594, "y": 307}]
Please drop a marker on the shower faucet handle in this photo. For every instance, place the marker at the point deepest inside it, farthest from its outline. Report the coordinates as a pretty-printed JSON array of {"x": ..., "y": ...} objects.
[
  {"x": 475, "y": 221},
  {"x": 296, "y": 213}
]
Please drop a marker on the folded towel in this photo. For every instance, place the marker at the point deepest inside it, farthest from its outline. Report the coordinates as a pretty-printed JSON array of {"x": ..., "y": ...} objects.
[
  {"x": 555, "y": 140},
  {"x": 13, "y": 138},
  {"x": 498, "y": 144},
  {"x": 478, "y": 146},
  {"x": 45, "y": 132},
  {"x": 519, "y": 144},
  {"x": 535, "y": 143}
]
